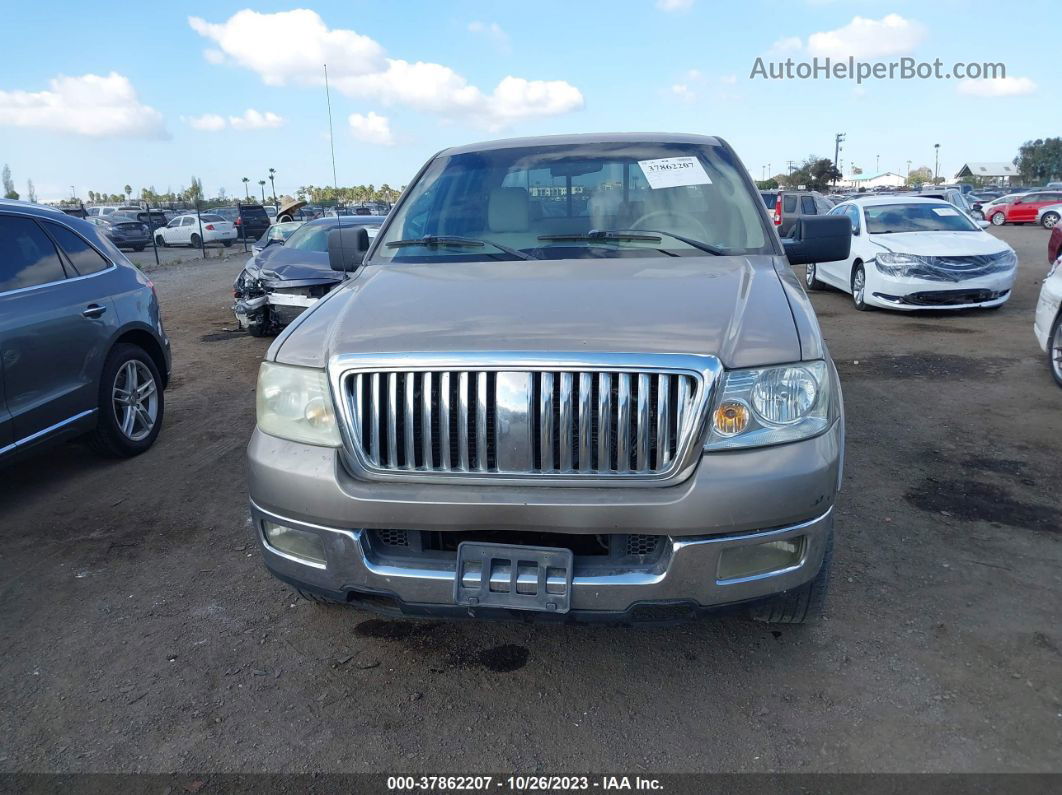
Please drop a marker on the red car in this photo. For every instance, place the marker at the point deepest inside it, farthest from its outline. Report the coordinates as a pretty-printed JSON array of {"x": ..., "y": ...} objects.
[
  {"x": 1023, "y": 209},
  {"x": 1054, "y": 244}
]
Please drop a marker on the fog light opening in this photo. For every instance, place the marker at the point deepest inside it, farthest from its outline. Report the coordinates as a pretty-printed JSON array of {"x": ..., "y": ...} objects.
[
  {"x": 304, "y": 546},
  {"x": 753, "y": 560}
]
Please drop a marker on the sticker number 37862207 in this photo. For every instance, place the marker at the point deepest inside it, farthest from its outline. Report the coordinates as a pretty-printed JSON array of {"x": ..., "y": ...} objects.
[{"x": 674, "y": 172}]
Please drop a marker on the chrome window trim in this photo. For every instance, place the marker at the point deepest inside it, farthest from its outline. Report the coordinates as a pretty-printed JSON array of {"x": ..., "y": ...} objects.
[
  {"x": 705, "y": 371},
  {"x": 45, "y": 431}
]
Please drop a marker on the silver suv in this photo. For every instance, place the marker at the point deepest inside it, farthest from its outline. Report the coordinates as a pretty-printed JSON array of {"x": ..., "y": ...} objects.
[
  {"x": 82, "y": 348},
  {"x": 573, "y": 377}
]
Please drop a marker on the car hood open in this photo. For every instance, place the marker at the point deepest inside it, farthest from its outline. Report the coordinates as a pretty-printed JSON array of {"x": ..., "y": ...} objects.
[{"x": 733, "y": 307}]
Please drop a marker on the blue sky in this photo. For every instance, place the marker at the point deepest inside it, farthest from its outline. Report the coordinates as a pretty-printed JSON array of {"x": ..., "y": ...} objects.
[{"x": 171, "y": 98}]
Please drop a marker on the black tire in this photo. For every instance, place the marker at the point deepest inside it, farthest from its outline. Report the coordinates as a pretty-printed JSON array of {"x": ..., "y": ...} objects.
[
  {"x": 138, "y": 248},
  {"x": 801, "y": 605},
  {"x": 1054, "y": 354},
  {"x": 1048, "y": 220},
  {"x": 109, "y": 439},
  {"x": 857, "y": 295},
  {"x": 264, "y": 326},
  {"x": 160, "y": 241},
  {"x": 316, "y": 598},
  {"x": 227, "y": 243},
  {"x": 194, "y": 240},
  {"x": 810, "y": 280}
]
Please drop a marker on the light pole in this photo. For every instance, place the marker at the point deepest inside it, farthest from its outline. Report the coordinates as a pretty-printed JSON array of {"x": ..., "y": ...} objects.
[
  {"x": 877, "y": 163},
  {"x": 262, "y": 183},
  {"x": 73, "y": 193},
  {"x": 936, "y": 162},
  {"x": 246, "y": 190},
  {"x": 273, "y": 185}
]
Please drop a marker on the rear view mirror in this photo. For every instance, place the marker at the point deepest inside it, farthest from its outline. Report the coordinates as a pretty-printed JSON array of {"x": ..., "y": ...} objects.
[
  {"x": 819, "y": 238},
  {"x": 346, "y": 248}
]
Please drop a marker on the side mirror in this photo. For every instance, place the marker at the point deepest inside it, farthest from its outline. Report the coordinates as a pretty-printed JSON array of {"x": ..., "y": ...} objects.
[
  {"x": 346, "y": 248},
  {"x": 819, "y": 238},
  {"x": 983, "y": 223}
]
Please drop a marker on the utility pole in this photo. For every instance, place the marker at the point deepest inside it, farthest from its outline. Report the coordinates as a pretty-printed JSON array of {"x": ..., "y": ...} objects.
[
  {"x": 789, "y": 165},
  {"x": 837, "y": 148},
  {"x": 908, "y": 169},
  {"x": 936, "y": 162}
]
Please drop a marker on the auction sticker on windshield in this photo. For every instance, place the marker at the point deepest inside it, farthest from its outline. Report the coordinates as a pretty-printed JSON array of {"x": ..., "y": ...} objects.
[
  {"x": 945, "y": 211},
  {"x": 674, "y": 172}
]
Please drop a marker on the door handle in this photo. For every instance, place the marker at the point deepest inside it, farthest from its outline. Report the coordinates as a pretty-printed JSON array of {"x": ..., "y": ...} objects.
[{"x": 93, "y": 311}]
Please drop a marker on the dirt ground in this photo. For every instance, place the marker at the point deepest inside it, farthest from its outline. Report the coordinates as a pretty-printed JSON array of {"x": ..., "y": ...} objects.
[{"x": 142, "y": 633}]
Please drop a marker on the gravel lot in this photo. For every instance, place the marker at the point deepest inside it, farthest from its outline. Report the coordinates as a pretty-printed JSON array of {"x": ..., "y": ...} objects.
[{"x": 142, "y": 633}]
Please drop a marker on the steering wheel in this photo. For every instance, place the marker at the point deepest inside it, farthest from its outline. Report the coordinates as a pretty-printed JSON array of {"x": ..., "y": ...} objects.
[{"x": 640, "y": 223}]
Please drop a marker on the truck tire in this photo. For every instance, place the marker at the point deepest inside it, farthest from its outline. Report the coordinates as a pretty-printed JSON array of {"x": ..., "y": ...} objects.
[{"x": 800, "y": 605}]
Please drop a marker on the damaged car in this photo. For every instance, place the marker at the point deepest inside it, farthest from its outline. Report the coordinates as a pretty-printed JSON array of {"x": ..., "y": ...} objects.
[{"x": 284, "y": 279}]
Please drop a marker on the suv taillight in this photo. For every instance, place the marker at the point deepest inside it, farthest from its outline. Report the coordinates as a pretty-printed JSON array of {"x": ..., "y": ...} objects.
[
  {"x": 778, "y": 210},
  {"x": 238, "y": 221}
]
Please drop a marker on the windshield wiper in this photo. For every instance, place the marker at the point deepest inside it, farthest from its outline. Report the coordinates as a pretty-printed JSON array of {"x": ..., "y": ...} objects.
[
  {"x": 646, "y": 235},
  {"x": 453, "y": 240}
]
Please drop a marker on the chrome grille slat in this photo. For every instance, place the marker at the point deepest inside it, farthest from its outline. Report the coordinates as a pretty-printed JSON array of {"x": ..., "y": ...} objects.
[
  {"x": 604, "y": 422},
  {"x": 392, "y": 420},
  {"x": 564, "y": 431},
  {"x": 481, "y": 421},
  {"x": 462, "y": 421},
  {"x": 425, "y": 420},
  {"x": 623, "y": 424},
  {"x": 443, "y": 417},
  {"x": 569, "y": 422},
  {"x": 586, "y": 420}
]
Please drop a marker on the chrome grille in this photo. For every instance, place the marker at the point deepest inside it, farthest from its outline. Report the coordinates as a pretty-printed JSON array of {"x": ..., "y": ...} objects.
[{"x": 538, "y": 422}]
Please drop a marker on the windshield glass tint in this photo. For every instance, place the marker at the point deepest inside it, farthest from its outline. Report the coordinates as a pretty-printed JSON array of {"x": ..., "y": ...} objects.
[
  {"x": 891, "y": 218},
  {"x": 539, "y": 200}
]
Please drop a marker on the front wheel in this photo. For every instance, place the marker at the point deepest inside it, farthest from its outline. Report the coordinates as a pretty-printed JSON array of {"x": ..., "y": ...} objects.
[
  {"x": 811, "y": 277},
  {"x": 261, "y": 323},
  {"x": 131, "y": 403},
  {"x": 1054, "y": 349},
  {"x": 998, "y": 219},
  {"x": 1049, "y": 220},
  {"x": 859, "y": 287}
]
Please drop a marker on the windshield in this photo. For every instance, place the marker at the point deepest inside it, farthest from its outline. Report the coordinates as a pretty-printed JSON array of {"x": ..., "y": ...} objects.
[
  {"x": 544, "y": 201},
  {"x": 314, "y": 237},
  {"x": 883, "y": 219}
]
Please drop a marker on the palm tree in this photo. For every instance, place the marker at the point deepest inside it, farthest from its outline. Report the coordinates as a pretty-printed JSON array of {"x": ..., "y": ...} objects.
[
  {"x": 262, "y": 183},
  {"x": 246, "y": 190},
  {"x": 128, "y": 191},
  {"x": 273, "y": 185}
]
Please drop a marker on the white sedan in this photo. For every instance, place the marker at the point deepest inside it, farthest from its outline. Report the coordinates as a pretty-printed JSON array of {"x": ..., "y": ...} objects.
[
  {"x": 191, "y": 230},
  {"x": 912, "y": 253},
  {"x": 1048, "y": 323}
]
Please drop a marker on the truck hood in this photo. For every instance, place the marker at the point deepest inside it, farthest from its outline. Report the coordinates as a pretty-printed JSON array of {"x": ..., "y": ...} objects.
[{"x": 733, "y": 307}]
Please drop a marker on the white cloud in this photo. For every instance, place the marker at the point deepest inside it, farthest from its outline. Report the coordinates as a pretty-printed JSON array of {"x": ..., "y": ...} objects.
[
  {"x": 289, "y": 47},
  {"x": 997, "y": 87},
  {"x": 371, "y": 128},
  {"x": 493, "y": 32},
  {"x": 208, "y": 122},
  {"x": 250, "y": 120},
  {"x": 674, "y": 5},
  {"x": 868, "y": 38},
  {"x": 92, "y": 105},
  {"x": 684, "y": 92},
  {"x": 786, "y": 45},
  {"x": 214, "y": 56},
  {"x": 253, "y": 120}
]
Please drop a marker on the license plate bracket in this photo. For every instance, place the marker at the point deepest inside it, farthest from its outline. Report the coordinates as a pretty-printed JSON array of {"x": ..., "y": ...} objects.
[{"x": 514, "y": 577}]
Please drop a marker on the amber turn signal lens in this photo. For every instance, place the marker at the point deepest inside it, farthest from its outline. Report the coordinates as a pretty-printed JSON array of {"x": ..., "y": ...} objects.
[{"x": 731, "y": 418}]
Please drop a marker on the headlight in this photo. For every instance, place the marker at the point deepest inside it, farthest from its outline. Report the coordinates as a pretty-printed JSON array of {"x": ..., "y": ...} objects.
[
  {"x": 771, "y": 405},
  {"x": 295, "y": 403},
  {"x": 895, "y": 264}
]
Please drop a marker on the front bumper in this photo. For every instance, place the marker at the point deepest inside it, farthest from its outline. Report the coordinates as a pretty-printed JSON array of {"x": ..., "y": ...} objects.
[
  {"x": 910, "y": 294},
  {"x": 684, "y": 580},
  {"x": 732, "y": 498}
]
